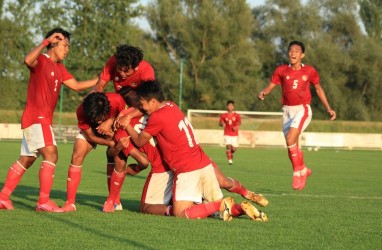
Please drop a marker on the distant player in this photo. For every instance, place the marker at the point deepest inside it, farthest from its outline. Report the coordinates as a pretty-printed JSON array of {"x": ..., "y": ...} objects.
[
  {"x": 231, "y": 122},
  {"x": 295, "y": 79}
]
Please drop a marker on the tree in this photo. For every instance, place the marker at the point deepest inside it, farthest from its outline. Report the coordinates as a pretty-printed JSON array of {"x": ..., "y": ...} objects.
[
  {"x": 371, "y": 15},
  {"x": 211, "y": 37}
]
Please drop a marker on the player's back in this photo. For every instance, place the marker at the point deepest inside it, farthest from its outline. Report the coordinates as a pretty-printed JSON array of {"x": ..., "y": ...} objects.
[{"x": 176, "y": 139}]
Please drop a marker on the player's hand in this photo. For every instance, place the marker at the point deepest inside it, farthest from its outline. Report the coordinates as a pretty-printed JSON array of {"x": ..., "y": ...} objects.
[
  {"x": 332, "y": 114},
  {"x": 123, "y": 143},
  {"x": 105, "y": 128},
  {"x": 123, "y": 121},
  {"x": 54, "y": 38},
  {"x": 261, "y": 96}
]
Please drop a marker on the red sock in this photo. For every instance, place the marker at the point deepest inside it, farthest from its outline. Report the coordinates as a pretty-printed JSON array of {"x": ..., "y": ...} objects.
[
  {"x": 109, "y": 171},
  {"x": 294, "y": 157},
  {"x": 228, "y": 152},
  {"x": 15, "y": 172},
  {"x": 116, "y": 182},
  {"x": 74, "y": 179},
  {"x": 46, "y": 175},
  {"x": 237, "y": 188},
  {"x": 203, "y": 210},
  {"x": 236, "y": 210},
  {"x": 301, "y": 158},
  {"x": 169, "y": 211}
]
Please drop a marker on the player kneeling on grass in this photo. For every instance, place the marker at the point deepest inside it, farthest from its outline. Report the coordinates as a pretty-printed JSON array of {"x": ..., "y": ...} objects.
[
  {"x": 156, "y": 196},
  {"x": 195, "y": 179}
]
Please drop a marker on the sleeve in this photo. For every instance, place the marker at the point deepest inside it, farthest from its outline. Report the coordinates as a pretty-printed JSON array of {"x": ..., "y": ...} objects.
[
  {"x": 117, "y": 104},
  {"x": 147, "y": 72},
  {"x": 107, "y": 71},
  {"x": 65, "y": 73},
  {"x": 83, "y": 123},
  {"x": 221, "y": 120},
  {"x": 276, "y": 77},
  {"x": 315, "y": 78},
  {"x": 154, "y": 124}
]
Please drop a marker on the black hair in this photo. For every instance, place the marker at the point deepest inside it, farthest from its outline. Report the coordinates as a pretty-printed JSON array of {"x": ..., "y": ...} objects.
[
  {"x": 65, "y": 33},
  {"x": 148, "y": 90},
  {"x": 127, "y": 94},
  {"x": 96, "y": 107},
  {"x": 301, "y": 44},
  {"x": 128, "y": 56},
  {"x": 230, "y": 102}
]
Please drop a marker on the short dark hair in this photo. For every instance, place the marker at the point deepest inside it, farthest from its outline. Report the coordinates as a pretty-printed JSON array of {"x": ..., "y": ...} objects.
[
  {"x": 96, "y": 107},
  {"x": 230, "y": 102},
  {"x": 128, "y": 56},
  {"x": 301, "y": 44},
  {"x": 148, "y": 90},
  {"x": 65, "y": 33},
  {"x": 124, "y": 92}
]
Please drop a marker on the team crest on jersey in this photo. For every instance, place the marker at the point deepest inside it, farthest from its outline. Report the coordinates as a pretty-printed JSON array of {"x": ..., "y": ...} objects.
[
  {"x": 287, "y": 77},
  {"x": 116, "y": 79},
  {"x": 304, "y": 78},
  {"x": 52, "y": 73},
  {"x": 134, "y": 84}
]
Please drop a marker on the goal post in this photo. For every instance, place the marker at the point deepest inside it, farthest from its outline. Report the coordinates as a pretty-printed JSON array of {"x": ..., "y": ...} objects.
[{"x": 250, "y": 120}]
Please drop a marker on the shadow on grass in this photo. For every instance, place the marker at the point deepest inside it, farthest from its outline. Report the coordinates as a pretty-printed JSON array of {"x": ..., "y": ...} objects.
[{"x": 24, "y": 196}]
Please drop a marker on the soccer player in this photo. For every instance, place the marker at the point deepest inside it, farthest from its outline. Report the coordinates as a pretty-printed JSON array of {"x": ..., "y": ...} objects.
[
  {"x": 47, "y": 74},
  {"x": 156, "y": 196},
  {"x": 125, "y": 68},
  {"x": 295, "y": 79},
  {"x": 231, "y": 122},
  {"x": 95, "y": 109},
  {"x": 194, "y": 177}
]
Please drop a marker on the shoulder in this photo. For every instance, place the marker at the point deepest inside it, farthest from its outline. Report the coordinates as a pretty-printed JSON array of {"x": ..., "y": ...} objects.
[
  {"x": 308, "y": 67},
  {"x": 113, "y": 96},
  {"x": 112, "y": 60},
  {"x": 144, "y": 65}
]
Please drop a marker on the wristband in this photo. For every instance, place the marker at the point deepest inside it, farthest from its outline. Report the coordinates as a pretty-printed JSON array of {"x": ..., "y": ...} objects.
[{"x": 45, "y": 42}]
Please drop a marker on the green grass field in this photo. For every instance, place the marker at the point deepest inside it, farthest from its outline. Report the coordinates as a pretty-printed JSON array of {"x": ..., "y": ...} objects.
[{"x": 341, "y": 207}]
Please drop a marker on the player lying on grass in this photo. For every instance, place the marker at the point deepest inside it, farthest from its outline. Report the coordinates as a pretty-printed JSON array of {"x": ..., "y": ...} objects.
[
  {"x": 95, "y": 109},
  {"x": 195, "y": 177}
]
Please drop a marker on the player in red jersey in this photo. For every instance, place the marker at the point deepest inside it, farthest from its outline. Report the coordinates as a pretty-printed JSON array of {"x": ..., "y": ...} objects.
[
  {"x": 125, "y": 68},
  {"x": 157, "y": 194},
  {"x": 295, "y": 79},
  {"x": 95, "y": 109},
  {"x": 194, "y": 177},
  {"x": 47, "y": 74},
  {"x": 231, "y": 122}
]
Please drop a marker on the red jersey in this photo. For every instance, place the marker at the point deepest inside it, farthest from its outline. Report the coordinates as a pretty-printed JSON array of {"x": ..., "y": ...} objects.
[
  {"x": 43, "y": 89},
  {"x": 150, "y": 149},
  {"x": 176, "y": 140},
  {"x": 145, "y": 72},
  {"x": 117, "y": 104},
  {"x": 295, "y": 84},
  {"x": 231, "y": 120}
]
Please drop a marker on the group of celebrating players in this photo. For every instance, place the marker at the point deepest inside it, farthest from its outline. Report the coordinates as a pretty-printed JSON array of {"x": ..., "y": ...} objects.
[{"x": 136, "y": 120}]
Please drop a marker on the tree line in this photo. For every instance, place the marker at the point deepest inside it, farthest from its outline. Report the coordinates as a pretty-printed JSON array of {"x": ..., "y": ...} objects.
[{"x": 224, "y": 48}]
